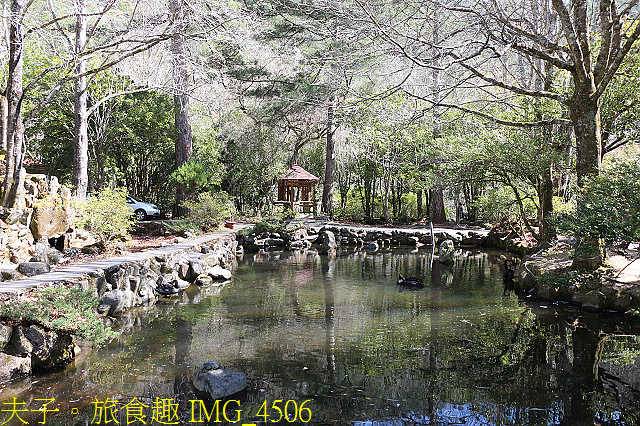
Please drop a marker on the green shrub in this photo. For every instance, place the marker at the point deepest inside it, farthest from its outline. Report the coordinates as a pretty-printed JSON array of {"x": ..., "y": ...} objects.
[
  {"x": 61, "y": 309},
  {"x": 105, "y": 215},
  {"x": 569, "y": 278},
  {"x": 193, "y": 176},
  {"x": 264, "y": 226},
  {"x": 181, "y": 227},
  {"x": 608, "y": 206},
  {"x": 208, "y": 209}
]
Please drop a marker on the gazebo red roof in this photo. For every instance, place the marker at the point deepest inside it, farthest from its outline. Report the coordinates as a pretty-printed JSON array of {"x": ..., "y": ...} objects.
[{"x": 298, "y": 173}]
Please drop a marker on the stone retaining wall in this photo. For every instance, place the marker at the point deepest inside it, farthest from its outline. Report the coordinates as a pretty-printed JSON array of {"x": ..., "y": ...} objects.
[
  {"x": 330, "y": 236},
  {"x": 540, "y": 274},
  {"x": 28, "y": 349}
]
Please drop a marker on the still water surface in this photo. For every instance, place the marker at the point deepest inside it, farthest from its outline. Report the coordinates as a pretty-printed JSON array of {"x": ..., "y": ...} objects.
[{"x": 337, "y": 332}]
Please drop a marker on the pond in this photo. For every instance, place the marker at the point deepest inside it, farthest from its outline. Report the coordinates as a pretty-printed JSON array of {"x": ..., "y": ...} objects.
[{"x": 334, "y": 340}]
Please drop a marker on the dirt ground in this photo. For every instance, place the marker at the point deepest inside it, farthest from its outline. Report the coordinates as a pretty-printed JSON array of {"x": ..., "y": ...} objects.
[
  {"x": 136, "y": 244},
  {"x": 625, "y": 271}
]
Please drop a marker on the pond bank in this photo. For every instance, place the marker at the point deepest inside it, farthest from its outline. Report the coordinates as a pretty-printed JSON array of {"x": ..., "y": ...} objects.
[
  {"x": 120, "y": 283},
  {"x": 546, "y": 274},
  {"x": 327, "y": 235},
  {"x": 615, "y": 287}
]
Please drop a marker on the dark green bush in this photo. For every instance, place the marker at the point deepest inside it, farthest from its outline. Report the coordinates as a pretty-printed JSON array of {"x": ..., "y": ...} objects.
[
  {"x": 62, "y": 309},
  {"x": 608, "y": 206}
]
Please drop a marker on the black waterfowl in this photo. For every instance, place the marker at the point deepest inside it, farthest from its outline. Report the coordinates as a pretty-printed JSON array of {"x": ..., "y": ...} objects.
[
  {"x": 409, "y": 281},
  {"x": 509, "y": 270}
]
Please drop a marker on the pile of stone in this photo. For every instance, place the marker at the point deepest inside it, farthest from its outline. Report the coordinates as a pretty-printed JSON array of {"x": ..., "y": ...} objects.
[
  {"x": 287, "y": 239},
  {"x": 35, "y": 233},
  {"x": 32, "y": 349},
  {"x": 141, "y": 283},
  {"x": 598, "y": 291},
  {"x": 329, "y": 237},
  {"x": 512, "y": 237}
]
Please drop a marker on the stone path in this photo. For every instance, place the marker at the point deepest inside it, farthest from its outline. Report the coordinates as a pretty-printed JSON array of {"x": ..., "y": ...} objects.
[{"x": 73, "y": 272}]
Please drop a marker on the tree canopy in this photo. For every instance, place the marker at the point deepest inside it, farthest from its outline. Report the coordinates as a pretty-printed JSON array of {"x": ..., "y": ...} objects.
[{"x": 481, "y": 111}]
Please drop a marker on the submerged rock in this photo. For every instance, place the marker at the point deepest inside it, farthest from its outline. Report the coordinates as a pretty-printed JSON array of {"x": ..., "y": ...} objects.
[
  {"x": 217, "y": 382},
  {"x": 12, "y": 366},
  {"x": 446, "y": 254},
  {"x": 219, "y": 273}
]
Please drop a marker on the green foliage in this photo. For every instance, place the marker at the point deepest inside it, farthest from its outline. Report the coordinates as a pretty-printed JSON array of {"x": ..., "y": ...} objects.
[
  {"x": 209, "y": 209},
  {"x": 351, "y": 211},
  {"x": 181, "y": 227},
  {"x": 264, "y": 226},
  {"x": 570, "y": 278},
  {"x": 609, "y": 205},
  {"x": 498, "y": 202},
  {"x": 62, "y": 309},
  {"x": 192, "y": 176},
  {"x": 131, "y": 139},
  {"x": 254, "y": 161},
  {"x": 105, "y": 215}
]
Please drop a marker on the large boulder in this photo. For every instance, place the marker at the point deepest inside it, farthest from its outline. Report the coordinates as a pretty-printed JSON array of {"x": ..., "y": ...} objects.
[
  {"x": 5, "y": 334},
  {"x": 12, "y": 366},
  {"x": 219, "y": 273},
  {"x": 326, "y": 240},
  {"x": 217, "y": 382},
  {"x": 9, "y": 275},
  {"x": 49, "y": 220},
  {"x": 40, "y": 253},
  {"x": 446, "y": 253},
  {"x": 49, "y": 348},
  {"x": 33, "y": 268},
  {"x": 115, "y": 301},
  {"x": 19, "y": 341}
]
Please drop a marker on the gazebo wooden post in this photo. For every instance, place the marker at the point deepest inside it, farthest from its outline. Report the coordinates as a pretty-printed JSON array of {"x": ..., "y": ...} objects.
[{"x": 313, "y": 198}]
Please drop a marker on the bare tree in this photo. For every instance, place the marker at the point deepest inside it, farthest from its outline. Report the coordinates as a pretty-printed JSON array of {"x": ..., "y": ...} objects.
[
  {"x": 181, "y": 95},
  {"x": 485, "y": 41},
  {"x": 80, "y": 179},
  {"x": 14, "y": 122}
]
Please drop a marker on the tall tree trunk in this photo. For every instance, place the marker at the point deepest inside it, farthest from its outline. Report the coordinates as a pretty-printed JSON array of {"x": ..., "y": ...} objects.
[
  {"x": 15, "y": 127},
  {"x": 183, "y": 144},
  {"x": 80, "y": 178},
  {"x": 436, "y": 196},
  {"x": 585, "y": 114},
  {"x": 419, "y": 204},
  {"x": 385, "y": 196},
  {"x": 4, "y": 113},
  {"x": 436, "y": 206},
  {"x": 547, "y": 231},
  {"x": 546, "y": 228},
  {"x": 330, "y": 161}
]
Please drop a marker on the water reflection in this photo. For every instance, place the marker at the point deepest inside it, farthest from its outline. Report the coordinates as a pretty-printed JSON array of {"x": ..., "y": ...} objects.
[{"x": 337, "y": 330}]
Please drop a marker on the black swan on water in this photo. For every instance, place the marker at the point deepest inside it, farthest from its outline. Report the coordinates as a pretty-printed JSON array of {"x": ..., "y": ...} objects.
[
  {"x": 509, "y": 270},
  {"x": 409, "y": 281}
]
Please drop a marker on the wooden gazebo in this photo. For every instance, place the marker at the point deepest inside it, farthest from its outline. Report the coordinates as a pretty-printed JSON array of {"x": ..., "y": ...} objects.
[{"x": 297, "y": 188}]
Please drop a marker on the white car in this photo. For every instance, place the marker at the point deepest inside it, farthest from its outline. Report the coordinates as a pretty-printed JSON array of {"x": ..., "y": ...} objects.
[{"x": 143, "y": 210}]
